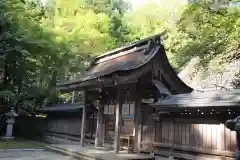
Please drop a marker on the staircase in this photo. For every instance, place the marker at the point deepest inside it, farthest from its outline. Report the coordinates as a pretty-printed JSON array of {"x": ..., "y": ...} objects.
[{"x": 2, "y": 124}]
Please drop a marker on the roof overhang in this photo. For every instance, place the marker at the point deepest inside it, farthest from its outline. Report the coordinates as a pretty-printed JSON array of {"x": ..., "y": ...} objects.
[
  {"x": 105, "y": 81},
  {"x": 197, "y": 100},
  {"x": 66, "y": 108},
  {"x": 130, "y": 75}
]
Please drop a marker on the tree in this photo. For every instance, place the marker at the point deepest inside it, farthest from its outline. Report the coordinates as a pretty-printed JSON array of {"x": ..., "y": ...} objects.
[
  {"x": 43, "y": 45},
  {"x": 115, "y": 10},
  {"x": 208, "y": 33},
  {"x": 206, "y": 29},
  {"x": 23, "y": 48}
]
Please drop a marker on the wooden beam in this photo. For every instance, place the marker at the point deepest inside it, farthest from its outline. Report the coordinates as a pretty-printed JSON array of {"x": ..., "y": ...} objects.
[
  {"x": 118, "y": 119},
  {"x": 99, "y": 130},
  {"x": 84, "y": 116}
]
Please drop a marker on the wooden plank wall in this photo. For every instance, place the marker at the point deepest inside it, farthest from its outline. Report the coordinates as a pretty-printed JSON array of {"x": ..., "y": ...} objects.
[
  {"x": 148, "y": 129},
  {"x": 147, "y": 126},
  {"x": 205, "y": 136},
  {"x": 70, "y": 125}
]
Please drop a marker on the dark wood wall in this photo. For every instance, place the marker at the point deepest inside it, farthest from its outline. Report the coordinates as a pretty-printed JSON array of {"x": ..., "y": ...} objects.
[
  {"x": 205, "y": 136},
  {"x": 202, "y": 136},
  {"x": 69, "y": 127}
]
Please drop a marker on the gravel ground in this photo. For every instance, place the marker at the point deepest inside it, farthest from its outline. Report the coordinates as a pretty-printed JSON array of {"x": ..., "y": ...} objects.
[{"x": 32, "y": 155}]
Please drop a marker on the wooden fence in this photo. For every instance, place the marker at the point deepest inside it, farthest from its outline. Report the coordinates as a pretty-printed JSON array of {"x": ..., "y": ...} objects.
[
  {"x": 69, "y": 127},
  {"x": 198, "y": 136}
]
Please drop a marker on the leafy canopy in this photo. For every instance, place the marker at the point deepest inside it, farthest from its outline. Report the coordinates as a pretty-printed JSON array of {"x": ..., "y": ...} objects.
[{"x": 43, "y": 44}]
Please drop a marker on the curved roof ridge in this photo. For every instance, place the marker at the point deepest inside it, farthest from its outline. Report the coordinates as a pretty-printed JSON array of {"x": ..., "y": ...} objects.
[{"x": 131, "y": 45}]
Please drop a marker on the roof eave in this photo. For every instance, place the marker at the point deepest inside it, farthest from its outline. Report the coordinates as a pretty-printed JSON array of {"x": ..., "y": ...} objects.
[{"x": 201, "y": 100}]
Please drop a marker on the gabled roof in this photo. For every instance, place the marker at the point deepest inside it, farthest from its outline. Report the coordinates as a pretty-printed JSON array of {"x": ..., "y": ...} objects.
[
  {"x": 122, "y": 61},
  {"x": 201, "y": 99},
  {"x": 128, "y": 64}
]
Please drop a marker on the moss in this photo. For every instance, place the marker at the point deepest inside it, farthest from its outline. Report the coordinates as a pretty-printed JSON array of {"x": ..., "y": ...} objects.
[{"x": 21, "y": 144}]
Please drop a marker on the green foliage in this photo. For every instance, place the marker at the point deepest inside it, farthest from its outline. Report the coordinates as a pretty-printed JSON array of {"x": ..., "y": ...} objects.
[
  {"x": 45, "y": 44},
  {"x": 152, "y": 18},
  {"x": 207, "y": 30},
  {"x": 8, "y": 98}
]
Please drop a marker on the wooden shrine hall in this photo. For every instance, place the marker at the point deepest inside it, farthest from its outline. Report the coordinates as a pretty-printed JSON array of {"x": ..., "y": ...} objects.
[{"x": 122, "y": 81}]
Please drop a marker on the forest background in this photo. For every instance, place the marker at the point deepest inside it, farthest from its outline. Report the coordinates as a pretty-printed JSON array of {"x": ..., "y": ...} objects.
[{"x": 43, "y": 43}]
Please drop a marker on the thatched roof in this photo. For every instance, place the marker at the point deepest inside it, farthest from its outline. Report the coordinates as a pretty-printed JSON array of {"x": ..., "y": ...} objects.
[{"x": 128, "y": 64}]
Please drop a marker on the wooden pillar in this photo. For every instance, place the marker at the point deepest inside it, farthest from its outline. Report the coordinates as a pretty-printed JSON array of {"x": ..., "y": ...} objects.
[
  {"x": 102, "y": 127},
  {"x": 103, "y": 131},
  {"x": 140, "y": 129},
  {"x": 84, "y": 116},
  {"x": 154, "y": 135},
  {"x": 137, "y": 122},
  {"x": 73, "y": 97},
  {"x": 150, "y": 128},
  {"x": 92, "y": 127},
  {"x": 223, "y": 136},
  {"x": 118, "y": 120},
  {"x": 98, "y": 138}
]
